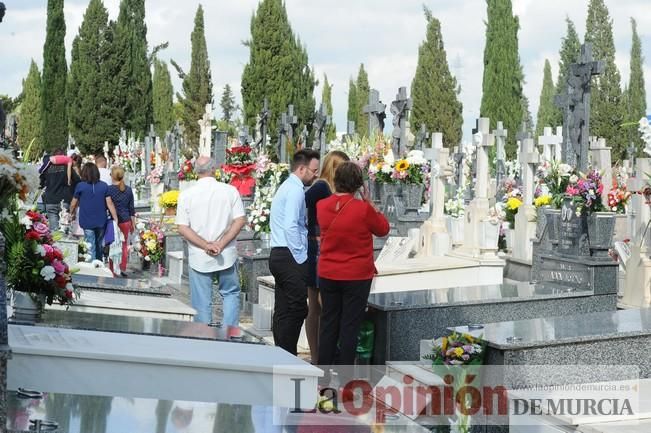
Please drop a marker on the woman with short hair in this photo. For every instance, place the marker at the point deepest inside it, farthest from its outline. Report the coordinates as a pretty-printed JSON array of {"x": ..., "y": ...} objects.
[
  {"x": 346, "y": 265},
  {"x": 92, "y": 197}
]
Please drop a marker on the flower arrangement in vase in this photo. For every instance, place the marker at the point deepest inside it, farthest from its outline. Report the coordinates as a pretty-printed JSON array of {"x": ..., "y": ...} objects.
[
  {"x": 239, "y": 166},
  {"x": 169, "y": 200},
  {"x": 269, "y": 176},
  {"x": 186, "y": 171},
  {"x": 151, "y": 242}
]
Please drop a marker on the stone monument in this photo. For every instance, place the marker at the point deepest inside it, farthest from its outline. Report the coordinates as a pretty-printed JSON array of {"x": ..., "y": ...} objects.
[
  {"x": 321, "y": 122},
  {"x": 525, "y": 219},
  {"x": 205, "y": 136},
  {"x": 400, "y": 110},
  {"x": 500, "y": 135},
  {"x": 375, "y": 110}
]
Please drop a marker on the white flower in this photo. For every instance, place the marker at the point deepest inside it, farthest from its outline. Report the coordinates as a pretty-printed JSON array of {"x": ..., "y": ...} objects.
[
  {"x": 40, "y": 250},
  {"x": 389, "y": 158},
  {"x": 564, "y": 169},
  {"x": 416, "y": 157},
  {"x": 140, "y": 225},
  {"x": 26, "y": 221},
  {"x": 263, "y": 218},
  {"x": 257, "y": 227},
  {"x": 372, "y": 168},
  {"x": 147, "y": 259},
  {"x": 387, "y": 168},
  {"x": 574, "y": 178},
  {"x": 48, "y": 273}
]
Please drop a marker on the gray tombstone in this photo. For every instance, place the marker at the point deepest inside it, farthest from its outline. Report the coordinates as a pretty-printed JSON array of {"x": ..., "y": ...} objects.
[
  {"x": 149, "y": 146},
  {"x": 400, "y": 111},
  {"x": 219, "y": 142},
  {"x": 631, "y": 154},
  {"x": 321, "y": 122},
  {"x": 292, "y": 123},
  {"x": 243, "y": 137},
  {"x": 375, "y": 110},
  {"x": 350, "y": 130},
  {"x": 304, "y": 136},
  {"x": 282, "y": 138},
  {"x": 575, "y": 103},
  {"x": 421, "y": 137},
  {"x": 500, "y": 135},
  {"x": 262, "y": 125}
]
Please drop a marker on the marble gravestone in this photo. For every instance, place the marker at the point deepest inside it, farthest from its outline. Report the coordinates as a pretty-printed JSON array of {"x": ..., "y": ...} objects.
[
  {"x": 601, "y": 160},
  {"x": 525, "y": 219},
  {"x": 500, "y": 135}
]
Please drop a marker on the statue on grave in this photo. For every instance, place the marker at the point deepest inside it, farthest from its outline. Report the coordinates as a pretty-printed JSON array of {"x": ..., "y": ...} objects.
[
  {"x": 576, "y": 121},
  {"x": 398, "y": 109}
]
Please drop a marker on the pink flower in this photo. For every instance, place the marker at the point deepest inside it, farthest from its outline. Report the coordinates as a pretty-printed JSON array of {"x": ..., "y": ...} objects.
[
  {"x": 572, "y": 190},
  {"x": 59, "y": 267},
  {"x": 41, "y": 229}
]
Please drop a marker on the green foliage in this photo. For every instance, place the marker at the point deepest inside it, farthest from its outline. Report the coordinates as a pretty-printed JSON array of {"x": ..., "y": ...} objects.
[
  {"x": 362, "y": 89},
  {"x": 434, "y": 90},
  {"x": 133, "y": 75},
  {"x": 277, "y": 70},
  {"x": 30, "y": 132},
  {"x": 352, "y": 101},
  {"x": 55, "y": 71},
  {"x": 607, "y": 108},
  {"x": 90, "y": 113},
  {"x": 227, "y": 103},
  {"x": 326, "y": 98},
  {"x": 197, "y": 83},
  {"x": 162, "y": 92},
  {"x": 636, "y": 92},
  {"x": 503, "y": 77},
  {"x": 546, "y": 108},
  {"x": 569, "y": 53}
]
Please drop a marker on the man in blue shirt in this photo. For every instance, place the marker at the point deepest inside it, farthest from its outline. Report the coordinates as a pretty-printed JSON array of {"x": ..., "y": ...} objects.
[{"x": 288, "y": 258}]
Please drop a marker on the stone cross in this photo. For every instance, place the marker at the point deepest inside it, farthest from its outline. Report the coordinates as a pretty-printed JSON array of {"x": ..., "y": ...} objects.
[
  {"x": 547, "y": 141},
  {"x": 205, "y": 136},
  {"x": 575, "y": 103},
  {"x": 321, "y": 122},
  {"x": 400, "y": 110},
  {"x": 282, "y": 138},
  {"x": 375, "y": 110},
  {"x": 483, "y": 173},
  {"x": 500, "y": 135},
  {"x": 459, "y": 166},
  {"x": 421, "y": 137},
  {"x": 292, "y": 123},
  {"x": 262, "y": 125},
  {"x": 350, "y": 129},
  {"x": 631, "y": 152},
  {"x": 601, "y": 160},
  {"x": 529, "y": 163},
  {"x": 171, "y": 152},
  {"x": 520, "y": 137},
  {"x": 243, "y": 137},
  {"x": 149, "y": 146},
  {"x": 438, "y": 156}
]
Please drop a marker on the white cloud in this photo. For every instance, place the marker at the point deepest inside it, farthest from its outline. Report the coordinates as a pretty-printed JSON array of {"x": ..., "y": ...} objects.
[{"x": 384, "y": 35}]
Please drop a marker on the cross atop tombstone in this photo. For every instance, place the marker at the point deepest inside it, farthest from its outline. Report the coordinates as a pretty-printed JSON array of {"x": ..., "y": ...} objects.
[
  {"x": 631, "y": 154},
  {"x": 400, "y": 111},
  {"x": 262, "y": 125},
  {"x": 439, "y": 158},
  {"x": 282, "y": 138},
  {"x": 375, "y": 110},
  {"x": 243, "y": 137},
  {"x": 486, "y": 141},
  {"x": 321, "y": 122},
  {"x": 575, "y": 103},
  {"x": 500, "y": 135},
  {"x": 292, "y": 122},
  {"x": 529, "y": 163},
  {"x": 547, "y": 140},
  {"x": 421, "y": 137},
  {"x": 459, "y": 169}
]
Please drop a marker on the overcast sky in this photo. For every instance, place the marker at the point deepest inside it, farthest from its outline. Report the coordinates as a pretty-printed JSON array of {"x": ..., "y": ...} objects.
[{"x": 340, "y": 34}]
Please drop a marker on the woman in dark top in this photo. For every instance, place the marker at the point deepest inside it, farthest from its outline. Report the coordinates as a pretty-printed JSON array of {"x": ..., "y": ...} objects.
[
  {"x": 92, "y": 198},
  {"x": 122, "y": 197},
  {"x": 322, "y": 188}
]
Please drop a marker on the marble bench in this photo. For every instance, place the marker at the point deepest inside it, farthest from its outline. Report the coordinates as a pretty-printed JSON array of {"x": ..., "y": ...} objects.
[{"x": 402, "y": 319}]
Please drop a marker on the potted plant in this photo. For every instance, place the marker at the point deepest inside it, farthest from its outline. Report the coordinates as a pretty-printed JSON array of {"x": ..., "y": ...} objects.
[
  {"x": 412, "y": 174},
  {"x": 168, "y": 201}
]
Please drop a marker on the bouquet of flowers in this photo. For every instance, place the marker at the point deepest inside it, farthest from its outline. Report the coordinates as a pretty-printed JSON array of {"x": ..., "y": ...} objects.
[
  {"x": 155, "y": 176},
  {"x": 34, "y": 264},
  {"x": 269, "y": 176},
  {"x": 380, "y": 162},
  {"x": 186, "y": 171},
  {"x": 542, "y": 200},
  {"x": 618, "y": 198},
  {"x": 239, "y": 166},
  {"x": 169, "y": 199},
  {"x": 84, "y": 251},
  {"x": 151, "y": 242},
  {"x": 552, "y": 179},
  {"x": 457, "y": 349},
  {"x": 15, "y": 178},
  {"x": 414, "y": 169},
  {"x": 585, "y": 191},
  {"x": 455, "y": 206}
]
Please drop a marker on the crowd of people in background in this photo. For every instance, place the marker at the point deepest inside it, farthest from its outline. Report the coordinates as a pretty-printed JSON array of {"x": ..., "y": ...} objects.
[{"x": 322, "y": 226}]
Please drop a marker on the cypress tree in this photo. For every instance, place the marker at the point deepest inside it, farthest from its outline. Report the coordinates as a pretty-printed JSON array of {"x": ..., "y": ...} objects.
[
  {"x": 636, "y": 94},
  {"x": 434, "y": 90},
  {"x": 227, "y": 103},
  {"x": 134, "y": 75},
  {"x": 31, "y": 127},
  {"x": 197, "y": 83},
  {"x": 363, "y": 90},
  {"x": 87, "y": 110},
  {"x": 162, "y": 92},
  {"x": 607, "y": 109},
  {"x": 569, "y": 53},
  {"x": 352, "y": 102},
  {"x": 55, "y": 71},
  {"x": 546, "y": 108},
  {"x": 326, "y": 98},
  {"x": 277, "y": 69},
  {"x": 503, "y": 77}
]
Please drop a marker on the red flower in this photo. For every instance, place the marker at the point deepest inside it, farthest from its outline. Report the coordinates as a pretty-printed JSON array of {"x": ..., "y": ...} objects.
[
  {"x": 31, "y": 235},
  {"x": 61, "y": 281},
  {"x": 69, "y": 294}
]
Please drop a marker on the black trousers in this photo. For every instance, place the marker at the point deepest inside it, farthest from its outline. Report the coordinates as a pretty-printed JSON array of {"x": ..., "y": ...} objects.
[
  {"x": 290, "y": 298},
  {"x": 342, "y": 311}
]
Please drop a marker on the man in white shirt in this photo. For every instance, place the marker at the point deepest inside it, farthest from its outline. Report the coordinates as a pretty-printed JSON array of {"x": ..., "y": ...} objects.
[
  {"x": 209, "y": 216},
  {"x": 104, "y": 173}
]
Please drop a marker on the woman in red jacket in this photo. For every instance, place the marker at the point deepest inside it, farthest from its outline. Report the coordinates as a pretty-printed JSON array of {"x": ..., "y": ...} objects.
[{"x": 346, "y": 266}]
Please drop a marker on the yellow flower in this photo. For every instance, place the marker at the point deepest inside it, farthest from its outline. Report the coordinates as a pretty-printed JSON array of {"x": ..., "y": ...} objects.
[
  {"x": 444, "y": 344},
  {"x": 169, "y": 198},
  {"x": 513, "y": 203},
  {"x": 543, "y": 200},
  {"x": 458, "y": 352},
  {"x": 402, "y": 165}
]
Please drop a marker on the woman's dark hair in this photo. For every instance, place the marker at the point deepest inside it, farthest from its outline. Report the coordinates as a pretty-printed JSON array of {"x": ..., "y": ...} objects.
[
  {"x": 90, "y": 173},
  {"x": 348, "y": 177},
  {"x": 77, "y": 160}
]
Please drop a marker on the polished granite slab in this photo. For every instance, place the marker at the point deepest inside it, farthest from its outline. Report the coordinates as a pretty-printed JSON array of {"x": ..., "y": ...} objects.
[
  {"x": 120, "y": 285},
  {"x": 474, "y": 295},
  {"x": 100, "y": 414},
  {"x": 143, "y": 326},
  {"x": 554, "y": 331}
]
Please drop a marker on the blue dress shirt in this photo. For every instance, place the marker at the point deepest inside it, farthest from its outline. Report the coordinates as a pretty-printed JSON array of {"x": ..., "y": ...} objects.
[{"x": 288, "y": 218}]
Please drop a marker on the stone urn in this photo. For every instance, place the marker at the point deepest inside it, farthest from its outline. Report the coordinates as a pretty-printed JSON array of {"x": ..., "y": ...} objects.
[
  {"x": 455, "y": 226},
  {"x": 412, "y": 195},
  {"x": 25, "y": 308},
  {"x": 389, "y": 189},
  {"x": 601, "y": 229},
  {"x": 170, "y": 211}
]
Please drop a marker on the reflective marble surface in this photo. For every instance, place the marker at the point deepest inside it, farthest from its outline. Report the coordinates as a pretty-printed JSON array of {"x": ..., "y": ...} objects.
[
  {"x": 143, "y": 326},
  {"x": 99, "y": 414},
  {"x": 489, "y": 294},
  {"x": 551, "y": 331},
  {"x": 128, "y": 285}
]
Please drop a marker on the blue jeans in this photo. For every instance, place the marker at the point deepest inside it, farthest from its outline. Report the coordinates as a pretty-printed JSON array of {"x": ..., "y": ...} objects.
[
  {"x": 95, "y": 237},
  {"x": 201, "y": 294}
]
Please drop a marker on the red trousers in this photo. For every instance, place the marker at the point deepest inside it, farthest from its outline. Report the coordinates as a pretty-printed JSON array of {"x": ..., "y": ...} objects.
[{"x": 125, "y": 228}]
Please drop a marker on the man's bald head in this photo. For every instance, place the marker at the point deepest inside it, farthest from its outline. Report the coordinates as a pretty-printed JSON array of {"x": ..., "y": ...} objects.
[{"x": 205, "y": 166}]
